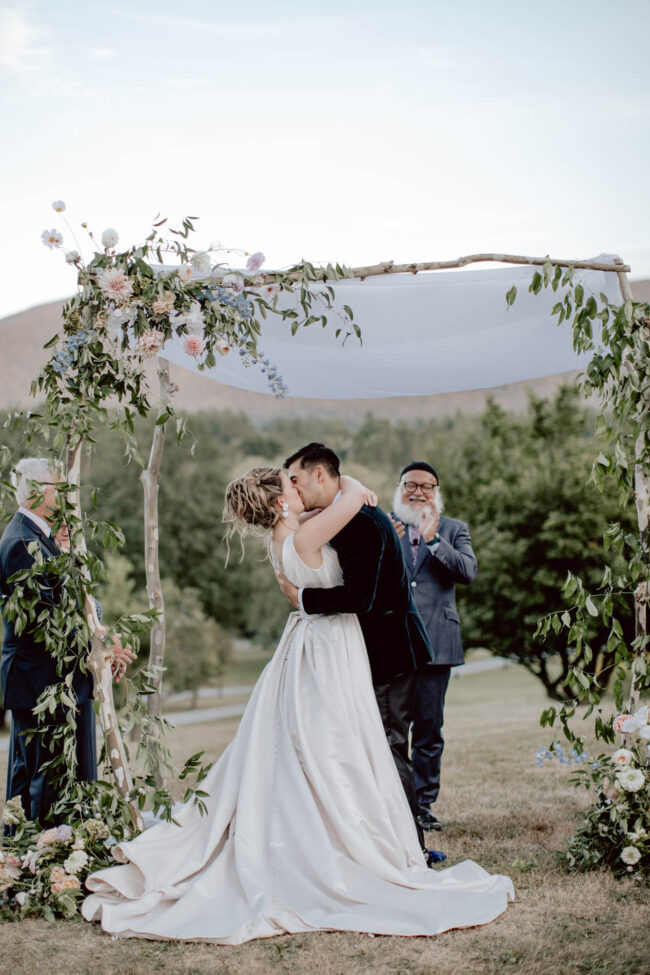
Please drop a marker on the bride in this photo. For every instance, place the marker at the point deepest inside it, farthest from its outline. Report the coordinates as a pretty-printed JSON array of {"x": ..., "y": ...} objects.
[{"x": 307, "y": 825}]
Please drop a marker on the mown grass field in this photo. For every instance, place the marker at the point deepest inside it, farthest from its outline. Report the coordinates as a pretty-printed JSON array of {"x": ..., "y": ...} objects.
[{"x": 498, "y": 808}]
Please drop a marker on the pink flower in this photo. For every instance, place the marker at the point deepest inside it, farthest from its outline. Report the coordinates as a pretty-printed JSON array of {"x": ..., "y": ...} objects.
[
  {"x": 255, "y": 261},
  {"x": 163, "y": 304},
  {"x": 115, "y": 284},
  {"x": 193, "y": 345},
  {"x": 64, "y": 833},
  {"x": 185, "y": 273},
  {"x": 60, "y": 880},
  {"x": 622, "y": 757},
  {"x": 47, "y": 838},
  {"x": 149, "y": 343},
  {"x": 617, "y": 723}
]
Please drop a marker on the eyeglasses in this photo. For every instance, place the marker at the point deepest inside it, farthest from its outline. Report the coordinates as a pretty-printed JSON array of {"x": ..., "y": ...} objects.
[{"x": 412, "y": 486}]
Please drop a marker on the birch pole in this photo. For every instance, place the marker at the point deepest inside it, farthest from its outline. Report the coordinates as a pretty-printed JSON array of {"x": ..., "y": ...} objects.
[
  {"x": 642, "y": 501},
  {"x": 99, "y": 659},
  {"x": 150, "y": 482}
]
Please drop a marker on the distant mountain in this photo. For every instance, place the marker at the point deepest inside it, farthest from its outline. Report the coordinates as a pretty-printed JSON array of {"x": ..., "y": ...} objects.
[{"x": 23, "y": 336}]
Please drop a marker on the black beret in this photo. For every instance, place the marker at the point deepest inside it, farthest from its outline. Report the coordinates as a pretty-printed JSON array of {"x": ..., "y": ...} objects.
[{"x": 419, "y": 465}]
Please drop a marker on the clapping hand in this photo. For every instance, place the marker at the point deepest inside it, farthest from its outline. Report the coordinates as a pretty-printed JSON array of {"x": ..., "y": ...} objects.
[
  {"x": 429, "y": 522},
  {"x": 398, "y": 525},
  {"x": 122, "y": 657}
]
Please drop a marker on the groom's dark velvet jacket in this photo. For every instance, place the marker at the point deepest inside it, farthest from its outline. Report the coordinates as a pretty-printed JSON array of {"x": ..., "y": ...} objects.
[{"x": 376, "y": 588}]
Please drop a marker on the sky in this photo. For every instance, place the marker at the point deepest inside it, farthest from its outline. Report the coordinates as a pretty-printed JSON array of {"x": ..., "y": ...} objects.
[{"x": 344, "y": 131}]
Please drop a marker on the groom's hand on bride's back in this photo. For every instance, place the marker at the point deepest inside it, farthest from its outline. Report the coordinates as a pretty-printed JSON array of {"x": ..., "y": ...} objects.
[{"x": 288, "y": 588}]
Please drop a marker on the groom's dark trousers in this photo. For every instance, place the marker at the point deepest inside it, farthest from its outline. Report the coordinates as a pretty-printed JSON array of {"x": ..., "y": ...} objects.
[
  {"x": 376, "y": 588},
  {"x": 26, "y": 669}
]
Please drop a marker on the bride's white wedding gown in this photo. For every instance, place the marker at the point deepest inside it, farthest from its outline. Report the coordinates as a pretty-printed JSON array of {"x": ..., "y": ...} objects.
[{"x": 307, "y": 828}]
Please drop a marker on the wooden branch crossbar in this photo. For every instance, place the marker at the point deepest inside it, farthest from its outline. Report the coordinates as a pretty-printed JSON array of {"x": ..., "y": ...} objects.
[{"x": 389, "y": 267}]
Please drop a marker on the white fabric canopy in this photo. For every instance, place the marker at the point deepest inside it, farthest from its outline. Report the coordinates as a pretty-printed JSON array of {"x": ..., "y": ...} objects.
[{"x": 434, "y": 332}]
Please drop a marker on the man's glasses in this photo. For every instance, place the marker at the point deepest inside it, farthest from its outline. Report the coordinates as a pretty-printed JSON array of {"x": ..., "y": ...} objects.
[{"x": 412, "y": 486}]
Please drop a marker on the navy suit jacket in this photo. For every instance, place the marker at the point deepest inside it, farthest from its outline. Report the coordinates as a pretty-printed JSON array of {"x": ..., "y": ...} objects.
[
  {"x": 375, "y": 587},
  {"x": 433, "y": 583},
  {"x": 26, "y": 668}
]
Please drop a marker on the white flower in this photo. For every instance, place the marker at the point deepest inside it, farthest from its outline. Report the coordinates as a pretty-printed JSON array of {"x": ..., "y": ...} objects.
[
  {"x": 110, "y": 238},
  {"x": 59, "y": 206},
  {"x": 637, "y": 837},
  {"x": 222, "y": 347},
  {"x": 52, "y": 238},
  {"x": 234, "y": 281},
  {"x": 637, "y": 721},
  {"x": 645, "y": 732},
  {"x": 630, "y": 855},
  {"x": 622, "y": 757},
  {"x": 21, "y": 897},
  {"x": 30, "y": 860},
  {"x": 201, "y": 262},
  {"x": 194, "y": 317},
  {"x": 75, "y": 862},
  {"x": 79, "y": 843},
  {"x": 72, "y": 257},
  {"x": 631, "y": 779},
  {"x": 185, "y": 273}
]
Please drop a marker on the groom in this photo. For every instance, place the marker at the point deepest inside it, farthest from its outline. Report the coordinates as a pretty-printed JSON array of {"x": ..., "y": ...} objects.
[{"x": 376, "y": 588}]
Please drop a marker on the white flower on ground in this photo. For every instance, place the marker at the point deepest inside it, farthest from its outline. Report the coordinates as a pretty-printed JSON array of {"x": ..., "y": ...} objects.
[
  {"x": 115, "y": 284},
  {"x": 52, "y": 238},
  {"x": 76, "y": 861},
  {"x": 630, "y": 855},
  {"x": 255, "y": 261},
  {"x": 622, "y": 757},
  {"x": 201, "y": 262},
  {"x": 110, "y": 238},
  {"x": 630, "y": 779},
  {"x": 59, "y": 206},
  {"x": 637, "y": 837},
  {"x": 72, "y": 257},
  {"x": 185, "y": 273},
  {"x": 234, "y": 281},
  {"x": 635, "y": 721}
]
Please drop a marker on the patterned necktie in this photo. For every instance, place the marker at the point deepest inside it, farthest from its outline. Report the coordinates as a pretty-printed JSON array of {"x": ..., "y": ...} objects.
[{"x": 414, "y": 532}]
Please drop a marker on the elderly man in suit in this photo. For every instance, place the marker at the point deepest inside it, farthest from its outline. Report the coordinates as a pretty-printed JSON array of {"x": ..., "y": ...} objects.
[
  {"x": 26, "y": 667},
  {"x": 438, "y": 554}
]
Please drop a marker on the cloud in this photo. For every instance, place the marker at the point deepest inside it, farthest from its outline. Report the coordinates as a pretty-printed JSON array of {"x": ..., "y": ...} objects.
[
  {"x": 237, "y": 28},
  {"x": 102, "y": 53},
  {"x": 19, "y": 54}
]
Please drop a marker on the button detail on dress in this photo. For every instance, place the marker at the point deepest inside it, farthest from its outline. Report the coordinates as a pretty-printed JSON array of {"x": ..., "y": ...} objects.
[{"x": 414, "y": 583}]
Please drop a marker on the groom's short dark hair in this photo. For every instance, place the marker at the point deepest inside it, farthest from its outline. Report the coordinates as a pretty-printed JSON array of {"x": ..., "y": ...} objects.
[{"x": 314, "y": 454}]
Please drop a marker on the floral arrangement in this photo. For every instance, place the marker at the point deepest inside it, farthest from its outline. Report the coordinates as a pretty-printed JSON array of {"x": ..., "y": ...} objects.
[
  {"x": 130, "y": 303},
  {"x": 42, "y": 872},
  {"x": 616, "y": 831}
]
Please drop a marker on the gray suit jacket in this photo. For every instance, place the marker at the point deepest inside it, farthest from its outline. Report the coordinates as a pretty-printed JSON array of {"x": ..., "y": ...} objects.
[{"x": 433, "y": 584}]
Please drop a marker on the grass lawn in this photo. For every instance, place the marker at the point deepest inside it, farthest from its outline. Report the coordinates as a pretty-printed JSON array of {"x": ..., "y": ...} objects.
[{"x": 498, "y": 808}]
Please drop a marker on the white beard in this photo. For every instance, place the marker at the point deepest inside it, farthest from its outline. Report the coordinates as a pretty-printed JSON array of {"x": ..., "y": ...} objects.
[{"x": 409, "y": 514}]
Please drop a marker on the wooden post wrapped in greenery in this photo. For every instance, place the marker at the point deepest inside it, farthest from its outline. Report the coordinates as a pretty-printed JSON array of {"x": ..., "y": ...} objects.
[{"x": 616, "y": 831}]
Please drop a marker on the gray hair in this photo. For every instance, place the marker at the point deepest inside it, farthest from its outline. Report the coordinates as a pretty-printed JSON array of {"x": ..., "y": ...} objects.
[{"x": 27, "y": 472}]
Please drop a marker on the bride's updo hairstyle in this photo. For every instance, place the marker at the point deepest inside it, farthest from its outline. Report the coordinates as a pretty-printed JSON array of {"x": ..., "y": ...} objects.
[{"x": 251, "y": 507}]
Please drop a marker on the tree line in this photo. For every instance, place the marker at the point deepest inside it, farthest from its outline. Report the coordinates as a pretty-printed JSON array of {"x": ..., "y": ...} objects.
[{"x": 522, "y": 482}]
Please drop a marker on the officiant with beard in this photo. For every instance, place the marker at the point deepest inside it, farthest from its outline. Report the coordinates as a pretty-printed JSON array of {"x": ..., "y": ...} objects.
[{"x": 438, "y": 555}]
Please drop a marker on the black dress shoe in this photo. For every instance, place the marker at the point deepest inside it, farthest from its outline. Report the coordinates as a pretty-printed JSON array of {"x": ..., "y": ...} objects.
[{"x": 427, "y": 820}]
